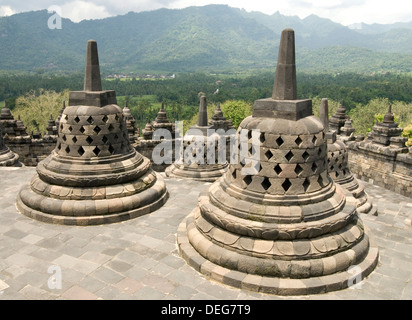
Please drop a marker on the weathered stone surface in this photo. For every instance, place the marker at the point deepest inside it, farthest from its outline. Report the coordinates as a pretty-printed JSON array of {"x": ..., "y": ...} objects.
[
  {"x": 338, "y": 167},
  {"x": 93, "y": 175},
  {"x": 286, "y": 227}
]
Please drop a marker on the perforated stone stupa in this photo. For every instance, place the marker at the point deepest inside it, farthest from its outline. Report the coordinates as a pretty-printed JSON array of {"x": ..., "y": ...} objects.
[
  {"x": 289, "y": 229},
  {"x": 196, "y": 163},
  {"x": 338, "y": 166},
  {"x": 93, "y": 176}
]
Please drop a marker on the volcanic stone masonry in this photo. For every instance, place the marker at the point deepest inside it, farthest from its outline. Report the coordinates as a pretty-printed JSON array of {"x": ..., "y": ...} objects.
[
  {"x": 197, "y": 149},
  {"x": 289, "y": 229},
  {"x": 93, "y": 176},
  {"x": 7, "y": 157},
  {"x": 383, "y": 158},
  {"x": 338, "y": 164}
]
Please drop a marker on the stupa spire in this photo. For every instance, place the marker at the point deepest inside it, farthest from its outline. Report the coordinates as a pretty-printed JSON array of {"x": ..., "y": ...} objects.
[
  {"x": 202, "y": 120},
  {"x": 285, "y": 78},
  {"x": 92, "y": 80}
]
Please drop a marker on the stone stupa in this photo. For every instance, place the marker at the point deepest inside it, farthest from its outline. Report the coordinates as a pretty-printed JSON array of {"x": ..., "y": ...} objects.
[
  {"x": 196, "y": 164},
  {"x": 7, "y": 157},
  {"x": 93, "y": 176},
  {"x": 338, "y": 165},
  {"x": 288, "y": 229}
]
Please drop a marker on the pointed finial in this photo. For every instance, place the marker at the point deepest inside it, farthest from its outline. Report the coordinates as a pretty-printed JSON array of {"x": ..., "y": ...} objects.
[
  {"x": 389, "y": 117},
  {"x": 92, "y": 80},
  {"x": 202, "y": 120},
  {"x": 324, "y": 113},
  {"x": 285, "y": 77}
]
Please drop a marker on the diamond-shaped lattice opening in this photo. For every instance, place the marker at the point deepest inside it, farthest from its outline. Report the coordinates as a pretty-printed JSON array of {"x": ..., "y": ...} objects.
[
  {"x": 67, "y": 149},
  {"x": 305, "y": 155},
  {"x": 289, "y": 155},
  {"x": 249, "y": 134},
  {"x": 81, "y": 151},
  {"x": 64, "y": 138},
  {"x": 111, "y": 128},
  {"x": 82, "y": 129},
  {"x": 337, "y": 174},
  {"x": 116, "y": 137},
  {"x": 97, "y": 129},
  {"x": 278, "y": 169},
  {"x": 105, "y": 118},
  {"x": 332, "y": 168},
  {"x": 247, "y": 180},
  {"x": 340, "y": 167},
  {"x": 258, "y": 167},
  {"x": 74, "y": 139},
  {"x": 266, "y": 184},
  {"x": 116, "y": 117},
  {"x": 70, "y": 128},
  {"x": 262, "y": 137},
  {"x": 89, "y": 139},
  {"x": 279, "y": 141},
  {"x": 104, "y": 139},
  {"x": 268, "y": 154},
  {"x": 96, "y": 151},
  {"x": 332, "y": 155},
  {"x": 77, "y": 119},
  {"x": 314, "y": 167},
  {"x": 251, "y": 150},
  {"x": 298, "y": 169},
  {"x": 234, "y": 174},
  {"x": 286, "y": 185},
  {"x": 61, "y": 127},
  {"x": 306, "y": 185},
  {"x": 59, "y": 147},
  {"x": 90, "y": 120},
  {"x": 314, "y": 139},
  {"x": 298, "y": 141},
  {"x": 111, "y": 149},
  {"x": 319, "y": 152}
]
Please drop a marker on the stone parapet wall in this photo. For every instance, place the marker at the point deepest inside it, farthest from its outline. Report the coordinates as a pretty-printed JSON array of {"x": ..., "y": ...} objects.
[
  {"x": 387, "y": 167},
  {"x": 32, "y": 153}
]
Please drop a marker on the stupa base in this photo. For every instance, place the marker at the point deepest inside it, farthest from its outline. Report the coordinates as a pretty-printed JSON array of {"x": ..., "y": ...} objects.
[
  {"x": 9, "y": 159},
  {"x": 205, "y": 173},
  {"x": 92, "y": 212},
  {"x": 268, "y": 284}
]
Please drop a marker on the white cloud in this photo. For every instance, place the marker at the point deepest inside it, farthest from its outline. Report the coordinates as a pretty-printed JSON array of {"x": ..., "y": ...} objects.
[
  {"x": 6, "y": 11},
  {"x": 80, "y": 10}
]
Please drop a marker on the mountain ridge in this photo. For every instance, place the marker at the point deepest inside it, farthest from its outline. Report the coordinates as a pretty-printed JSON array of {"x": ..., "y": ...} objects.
[{"x": 212, "y": 37}]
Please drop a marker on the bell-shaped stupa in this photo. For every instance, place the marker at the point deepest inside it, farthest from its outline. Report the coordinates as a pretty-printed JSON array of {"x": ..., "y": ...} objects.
[
  {"x": 204, "y": 153},
  {"x": 285, "y": 227},
  {"x": 339, "y": 169},
  {"x": 94, "y": 175},
  {"x": 7, "y": 157}
]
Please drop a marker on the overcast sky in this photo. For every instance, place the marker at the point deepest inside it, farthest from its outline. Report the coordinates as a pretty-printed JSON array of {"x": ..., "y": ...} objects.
[{"x": 345, "y": 12}]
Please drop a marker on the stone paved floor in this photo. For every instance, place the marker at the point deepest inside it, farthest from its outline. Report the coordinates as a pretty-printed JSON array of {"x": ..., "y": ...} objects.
[{"x": 138, "y": 259}]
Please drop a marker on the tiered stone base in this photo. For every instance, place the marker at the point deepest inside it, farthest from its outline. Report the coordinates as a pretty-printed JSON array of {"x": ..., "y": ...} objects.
[
  {"x": 363, "y": 203},
  {"x": 268, "y": 284},
  {"x": 275, "y": 247},
  {"x": 8, "y": 158},
  {"x": 340, "y": 173},
  {"x": 206, "y": 173},
  {"x": 55, "y": 198}
]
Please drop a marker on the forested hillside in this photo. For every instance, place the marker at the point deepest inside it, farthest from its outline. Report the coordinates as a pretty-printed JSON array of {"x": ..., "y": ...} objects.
[{"x": 212, "y": 38}]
